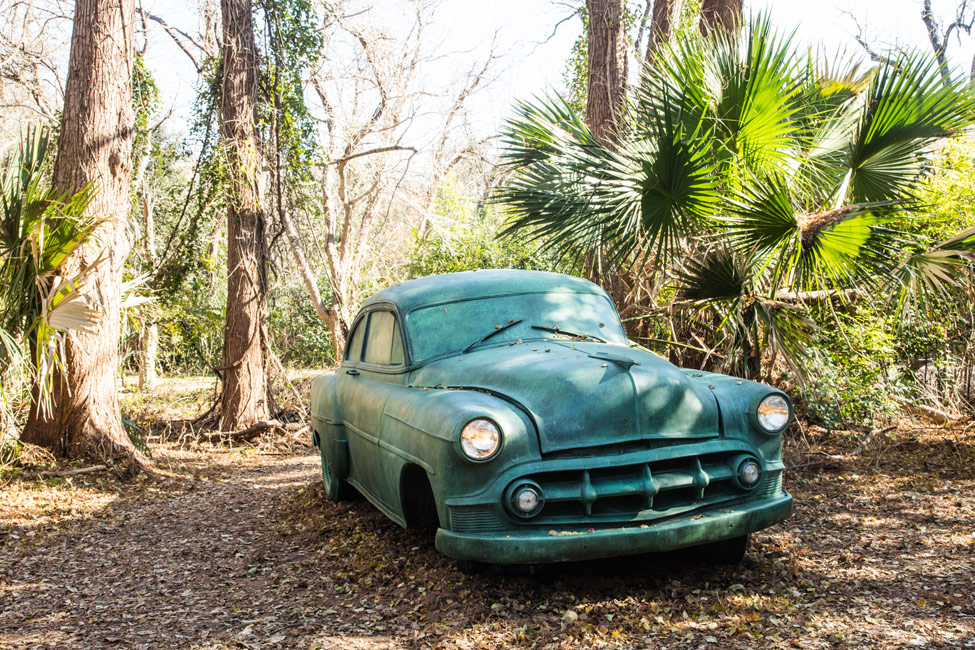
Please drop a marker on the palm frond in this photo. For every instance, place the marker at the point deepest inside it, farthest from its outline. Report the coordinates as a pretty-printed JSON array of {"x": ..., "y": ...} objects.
[
  {"x": 725, "y": 284},
  {"x": 908, "y": 106},
  {"x": 661, "y": 187},
  {"x": 846, "y": 247},
  {"x": 789, "y": 332},
  {"x": 761, "y": 222},
  {"x": 11, "y": 351},
  {"x": 556, "y": 170},
  {"x": 740, "y": 90},
  {"x": 582, "y": 198},
  {"x": 40, "y": 229},
  {"x": 718, "y": 275},
  {"x": 934, "y": 272}
]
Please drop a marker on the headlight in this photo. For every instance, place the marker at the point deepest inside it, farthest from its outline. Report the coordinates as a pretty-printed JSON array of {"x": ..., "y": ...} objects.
[
  {"x": 525, "y": 499},
  {"x": 773, "y": 413},
  {"x": 748, "y": 473},
  {"x": 480, "y": 439}
]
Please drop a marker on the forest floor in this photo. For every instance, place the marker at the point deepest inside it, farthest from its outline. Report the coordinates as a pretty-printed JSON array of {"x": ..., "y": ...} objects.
[{"x": 240, "y": 550}]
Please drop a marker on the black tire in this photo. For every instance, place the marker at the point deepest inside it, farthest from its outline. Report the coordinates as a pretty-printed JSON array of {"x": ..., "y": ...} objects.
[
  {"x": 336, "y": 489},
  {"x": 727, "y": 551},
  {"x": 471, "y": 567}
]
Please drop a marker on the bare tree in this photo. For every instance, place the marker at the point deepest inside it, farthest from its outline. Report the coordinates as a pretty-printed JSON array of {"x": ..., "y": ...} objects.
[
  {"x": 32, "y": 62},
  {"x": 939, "y": 35},
  {"x": 606, "y": 83},
  {"x": 382, "y": 122},
  {"x": 95, "y": 146},
  {"x": 244, "y": 399},
  {"x": 720, "y": 15}
]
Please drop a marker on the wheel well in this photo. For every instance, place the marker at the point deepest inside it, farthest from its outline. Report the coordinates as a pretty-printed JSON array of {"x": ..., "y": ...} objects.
[{"x": 419, "y": 503}]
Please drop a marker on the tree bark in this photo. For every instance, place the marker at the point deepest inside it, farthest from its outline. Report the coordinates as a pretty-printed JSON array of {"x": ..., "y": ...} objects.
[
  {"x": 666, "y": 14},
  {"x": 147, "y": 355},
  {"x": 939, "y": 45},
  {"x": 149, "y": 336},
  {"x": 244, "y": 399},
  {"x": 720, "y": 16},
  {"x": 606, "y": 85},
  {"x": 95, "y": 145}
]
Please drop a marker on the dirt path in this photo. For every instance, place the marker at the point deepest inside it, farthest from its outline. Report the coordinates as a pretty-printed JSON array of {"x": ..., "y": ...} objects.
[{"x": 246, "y": 554}]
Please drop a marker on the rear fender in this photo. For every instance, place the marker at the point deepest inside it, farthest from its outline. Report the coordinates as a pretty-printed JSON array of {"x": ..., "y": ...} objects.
[{"x": 327, "y": 424}]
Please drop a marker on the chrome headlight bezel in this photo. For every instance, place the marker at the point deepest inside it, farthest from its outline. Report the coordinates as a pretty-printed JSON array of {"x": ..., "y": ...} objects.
[
  {"x": 511, "y": 498},
  {"x": 466, "y": 441},
  {"x": 741, "y": 469},
  {"x": 761, "y": 419}
]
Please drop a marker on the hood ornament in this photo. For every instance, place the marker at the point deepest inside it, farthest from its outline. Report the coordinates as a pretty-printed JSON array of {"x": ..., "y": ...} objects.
[{"x": 623, "y": 362}]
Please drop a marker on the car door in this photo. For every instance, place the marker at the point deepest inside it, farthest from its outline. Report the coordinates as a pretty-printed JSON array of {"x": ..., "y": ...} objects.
[{"x": 371, "y": 373}]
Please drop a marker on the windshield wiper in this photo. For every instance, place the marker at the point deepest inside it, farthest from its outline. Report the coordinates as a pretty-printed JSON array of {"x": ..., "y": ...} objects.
[
  {"x": 567, "y": 333},
  {"x": 497, "y": 330}
]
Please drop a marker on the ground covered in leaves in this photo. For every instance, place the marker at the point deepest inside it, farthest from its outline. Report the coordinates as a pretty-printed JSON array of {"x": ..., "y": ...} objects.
[{"x": 242, "y": 551}]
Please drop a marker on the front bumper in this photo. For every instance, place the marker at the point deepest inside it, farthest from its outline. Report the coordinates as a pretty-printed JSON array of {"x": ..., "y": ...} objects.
[{"x": 567, "y": 544}]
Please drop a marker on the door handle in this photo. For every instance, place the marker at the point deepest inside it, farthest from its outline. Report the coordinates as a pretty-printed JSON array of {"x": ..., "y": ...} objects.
[{"x": 352, "y": 372}]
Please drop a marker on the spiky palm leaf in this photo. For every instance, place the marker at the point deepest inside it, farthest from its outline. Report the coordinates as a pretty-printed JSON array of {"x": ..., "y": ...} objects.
[
  {"x": 578, "y": 196},
  {"x": 802, "y": 169},
  {"x": 907, "y": 107},
  {"x": 935, "y": 271},
  {"x": 39, "y": 230},
  {"x": 722, "y": 283},
  {"x": 738, "y": 90}
]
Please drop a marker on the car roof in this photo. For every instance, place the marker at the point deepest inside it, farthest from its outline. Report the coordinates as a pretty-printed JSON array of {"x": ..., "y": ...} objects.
[{"x": 451, "y": 287}]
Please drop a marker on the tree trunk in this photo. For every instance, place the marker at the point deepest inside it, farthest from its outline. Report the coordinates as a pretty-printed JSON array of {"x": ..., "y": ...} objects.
[
  {"x": 244, "y": 400},
  {"x": 149, "y": 350},
  {"x": 149, "y": 336},
  {"x": 606, "y": 85},
  {"x": 666, "y": 14},
  {"x": 939, "y": 41},
  {"x": 720, "y": 15},
  {"x": 95, "y": 145}
]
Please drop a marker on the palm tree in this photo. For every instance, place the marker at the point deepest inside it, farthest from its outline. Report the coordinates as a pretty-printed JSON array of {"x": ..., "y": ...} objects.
[
  {"x": 750, "y": 175},
  {"x": 39, "y": 229}
]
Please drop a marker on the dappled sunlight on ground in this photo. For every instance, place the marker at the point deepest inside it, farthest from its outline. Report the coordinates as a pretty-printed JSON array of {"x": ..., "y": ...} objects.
[{"x": 242, "y": 551}]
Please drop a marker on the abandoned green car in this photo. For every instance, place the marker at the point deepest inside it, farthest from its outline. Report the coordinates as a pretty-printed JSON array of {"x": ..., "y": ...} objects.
[{"x": 509, "y": 409}]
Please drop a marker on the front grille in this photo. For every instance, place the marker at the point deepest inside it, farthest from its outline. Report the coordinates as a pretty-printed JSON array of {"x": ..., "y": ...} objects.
[
  {"x": 475, "y": 519},
  {"x": 643, "y": 491}
]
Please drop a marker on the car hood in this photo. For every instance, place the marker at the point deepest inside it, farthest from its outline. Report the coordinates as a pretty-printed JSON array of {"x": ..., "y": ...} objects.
[{"x": 585, "y": 394}]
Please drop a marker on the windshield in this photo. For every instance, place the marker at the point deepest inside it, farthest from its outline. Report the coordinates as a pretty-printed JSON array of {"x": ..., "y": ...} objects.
[{"x": 452, "y": 327}]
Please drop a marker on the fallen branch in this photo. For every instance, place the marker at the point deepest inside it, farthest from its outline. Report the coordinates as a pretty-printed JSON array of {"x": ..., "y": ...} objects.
[
  {"x": 253, "y": 429},
  {"x": 866, "y": 441},
  {"x": 935, "y": 415},
  {"x": 818, "y": 296},
  {"x": 833, "y": 459},
  {"x": 68, "y": 472}
]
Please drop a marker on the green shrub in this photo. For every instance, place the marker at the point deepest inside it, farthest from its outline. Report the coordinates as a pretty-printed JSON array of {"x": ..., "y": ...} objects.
[
  {"x": 472, "y": 239},
  {"x": 300, "y": 337},
  {"x": 853, "y": 379}
]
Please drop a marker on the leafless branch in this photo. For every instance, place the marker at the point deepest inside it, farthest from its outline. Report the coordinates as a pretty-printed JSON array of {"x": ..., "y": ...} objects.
[
  {"x": 939, "y": 36},
  {"x": 861, "y": 39},
  {"x": 178, "y": 35}
]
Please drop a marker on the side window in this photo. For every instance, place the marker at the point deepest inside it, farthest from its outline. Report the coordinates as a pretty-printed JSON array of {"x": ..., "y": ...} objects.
[
  {"x": 379, "y": 342},
  {"x": 353, "y": 349},
  {"x": 396, "y": 356}
]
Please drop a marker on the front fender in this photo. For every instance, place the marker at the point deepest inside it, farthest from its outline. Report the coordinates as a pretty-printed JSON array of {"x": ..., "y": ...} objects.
[
  {"x": 738, "y": 400},
  {"x": 423, "y": 427}
]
